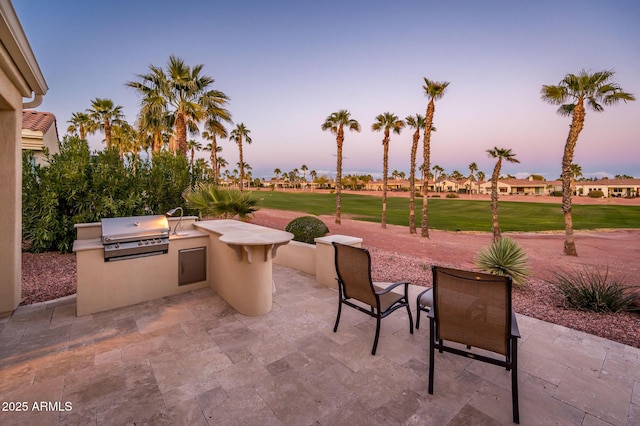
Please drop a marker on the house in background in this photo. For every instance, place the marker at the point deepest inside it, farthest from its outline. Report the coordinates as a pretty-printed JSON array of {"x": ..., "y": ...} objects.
[
  {"x": 609, "y": 187},
  {"x": 528, "y": 186},
  {"x": 39, "y": 130}
]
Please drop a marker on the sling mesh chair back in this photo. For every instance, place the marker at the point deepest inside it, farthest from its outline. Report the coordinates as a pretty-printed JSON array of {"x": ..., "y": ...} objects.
[
  {"x": 474, "y": 310},
  {"x": 353, "y": 267}
]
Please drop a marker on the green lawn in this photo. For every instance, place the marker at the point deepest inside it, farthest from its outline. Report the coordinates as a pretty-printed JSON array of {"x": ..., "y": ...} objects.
[{"x": 456, "y": 214}]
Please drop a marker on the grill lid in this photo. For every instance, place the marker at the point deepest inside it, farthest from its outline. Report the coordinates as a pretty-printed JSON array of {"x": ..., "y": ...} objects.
[{"x": 134, "y": 228}]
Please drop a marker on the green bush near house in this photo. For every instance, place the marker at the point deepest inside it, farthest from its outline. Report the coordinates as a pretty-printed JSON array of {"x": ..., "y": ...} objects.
[
  {"x": 504, "y": 257},
  {"x": 82, "y": 187},
  {"x": 306, "y": 229},
  {"x": 596, "y": 194},
  {"x": 452, "y": 195},
  {"x": 592, "y": 290}
]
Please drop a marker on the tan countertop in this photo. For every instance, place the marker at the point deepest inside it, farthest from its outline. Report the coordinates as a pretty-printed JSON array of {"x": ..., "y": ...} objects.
[{"x": 241, "y": 235}]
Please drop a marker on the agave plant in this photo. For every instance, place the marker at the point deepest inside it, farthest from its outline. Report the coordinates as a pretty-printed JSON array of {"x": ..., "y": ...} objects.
[
  {"x": 504, "y": 257},
  {"x": 593, "y": 290},
  {"x": 210, "y": 200}
]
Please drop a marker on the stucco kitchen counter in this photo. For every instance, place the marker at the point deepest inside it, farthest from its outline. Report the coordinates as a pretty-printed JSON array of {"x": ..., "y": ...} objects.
[{"x": 240, "y": 263}]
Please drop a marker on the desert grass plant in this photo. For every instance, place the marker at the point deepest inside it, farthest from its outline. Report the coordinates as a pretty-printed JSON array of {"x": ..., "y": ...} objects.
[
  {"x": 504, "y": 257},
  {"x": 593, "y": 290},
  {"x": 211, "y": 200},
  {"x": 306, "y": 229}
]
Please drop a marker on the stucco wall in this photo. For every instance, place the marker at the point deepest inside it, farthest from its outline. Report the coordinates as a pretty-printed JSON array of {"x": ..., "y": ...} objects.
[{"x": 10, "y": 195}]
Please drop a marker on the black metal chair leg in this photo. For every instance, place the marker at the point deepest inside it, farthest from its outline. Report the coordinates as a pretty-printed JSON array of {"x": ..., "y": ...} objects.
[
  {"x": 375, "y": 341},
  {"x": 410, "y": 318},
  {"x": 514, "y": 382},
  {"x": 335, "y": 327},
  {"x": 418, "y": 311},
  {"x": 431, "y": 355}
]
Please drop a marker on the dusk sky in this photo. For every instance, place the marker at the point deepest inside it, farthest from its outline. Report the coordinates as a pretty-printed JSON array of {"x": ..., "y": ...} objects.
[{"x": 287, "y": 65}]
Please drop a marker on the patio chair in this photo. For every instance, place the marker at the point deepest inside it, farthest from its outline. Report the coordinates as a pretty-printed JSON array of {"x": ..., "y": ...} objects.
[
  {"x": 423, "y": 303},
  {"x": 353, "y": 267},
  {"x": 474, "y": 310}
]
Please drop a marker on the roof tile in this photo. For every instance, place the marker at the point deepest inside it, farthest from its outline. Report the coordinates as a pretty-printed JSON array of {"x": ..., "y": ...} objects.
[{"x": 37, "y": 121}]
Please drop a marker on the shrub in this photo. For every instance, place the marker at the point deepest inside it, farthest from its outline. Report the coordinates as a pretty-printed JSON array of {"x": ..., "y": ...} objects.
[
  {"x": 210, "y": 200},
  {"x": 592, "y": 290},
  {"x": 306, "y": 229},
  {"x": 452, "y": 195},
  {"x": 556, "y": 194},
  {"x": 504, "y": 257},
  {"x": 596, "y": 194},
  {"x": 79, "y": 186}
]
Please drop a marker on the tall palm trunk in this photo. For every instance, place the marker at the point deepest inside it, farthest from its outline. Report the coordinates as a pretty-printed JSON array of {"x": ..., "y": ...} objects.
[
  {"x": 156, "y": 144},
  {"x": 241, "y": 164},
  {"x": 339, "y": 141},
  {"x": 577, "y": 123},
  {"x": 83, "y": 132},
  {"x": 385, "y": 170},
  {"x": 431, "y": 107},
  {"x": 495, "y": 226},
  {"x": 214, "y": 158},
  {"x": 412, "y": 183},
  {"x": 107, "y": 133},
  {"x": 181, "y": 133}
]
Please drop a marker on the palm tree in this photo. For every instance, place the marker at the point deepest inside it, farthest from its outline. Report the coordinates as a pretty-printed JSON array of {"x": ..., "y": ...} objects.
[
  {"x": 473, "y": 167},
  {"x": 336, "y": 123},
  {"x": 104, "y": 113},
  {"x": 181, "y": 92},
  {"x": 576, "y": 172},
  {"x": 500, "y": 154},
  {"x": 314, "y": 175},
  {"x": 213, "y": 157},
  {"x": 214, "y": 129},
  {"x": 416, "y": 122},
  {"x": 386, "y": 122},
  {"x": 81, "y": 124},
  {"x": 153, "y": 118},
  {"x": 481, "y": 176},
  {"x": 193, "y": 146},
  {"x": 437, "y": 172},
  {"x": 221, "y": 163},
  {"x": 125, "y": 138},
  {"x": 433, "y": 90},
  {"x": 238, "y": 135},
  {"x": 571, "y": 94},
  {"x": 304, "y": 169}
]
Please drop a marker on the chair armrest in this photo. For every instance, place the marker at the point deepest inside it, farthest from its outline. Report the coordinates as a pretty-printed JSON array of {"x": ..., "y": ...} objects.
[
  {"x": 515, "y": 331},
  {"x": 392, "y": 286},
  {"x": 428, "y": 295}
]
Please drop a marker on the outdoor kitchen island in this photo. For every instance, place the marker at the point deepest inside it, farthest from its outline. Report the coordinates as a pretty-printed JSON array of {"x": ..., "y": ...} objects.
[
  {"x": 143, "y": 260},
  {"x": 105, "y": 282},
  {"x": 240, "y": 263}
]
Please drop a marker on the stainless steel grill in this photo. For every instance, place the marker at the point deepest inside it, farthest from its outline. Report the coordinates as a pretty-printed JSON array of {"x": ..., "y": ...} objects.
[{"x": 135, "y": 236}]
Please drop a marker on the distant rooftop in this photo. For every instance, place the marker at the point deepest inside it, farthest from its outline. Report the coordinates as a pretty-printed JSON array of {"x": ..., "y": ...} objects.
[{"x": 37, "y": 121}]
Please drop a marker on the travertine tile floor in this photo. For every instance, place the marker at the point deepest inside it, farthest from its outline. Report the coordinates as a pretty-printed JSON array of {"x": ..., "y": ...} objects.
[{"x": 192, "y": 360}]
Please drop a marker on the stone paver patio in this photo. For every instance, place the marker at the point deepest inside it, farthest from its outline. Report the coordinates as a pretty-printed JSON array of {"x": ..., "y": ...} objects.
[{"x": 191, "y": 359}]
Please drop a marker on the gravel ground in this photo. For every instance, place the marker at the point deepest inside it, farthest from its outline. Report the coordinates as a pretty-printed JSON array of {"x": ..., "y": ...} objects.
[{"x": 398, "y": 255}]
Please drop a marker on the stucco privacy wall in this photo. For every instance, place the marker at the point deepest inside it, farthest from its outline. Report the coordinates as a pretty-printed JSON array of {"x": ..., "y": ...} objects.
[
  {"x": 10, "y": 195},
  {"x": 20, "y": 77}
]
